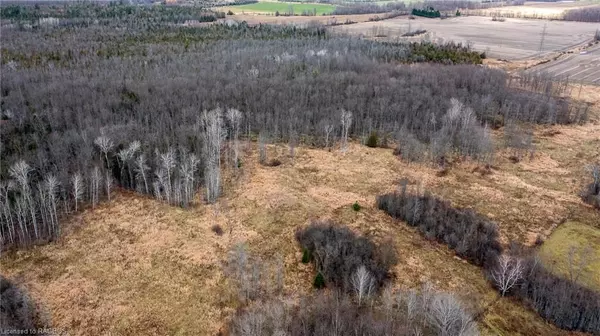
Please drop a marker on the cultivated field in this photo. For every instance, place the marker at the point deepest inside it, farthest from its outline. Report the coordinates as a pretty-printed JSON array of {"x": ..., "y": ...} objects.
[
  {"x": 583, "y": 66},
  {"x": 512, "y": 39},
  {"x": 138, "y": 266},
  {"x": 254, "y": 19},
  {"x": 533, "y": 9},
  {"x": 281, "y": 7}
]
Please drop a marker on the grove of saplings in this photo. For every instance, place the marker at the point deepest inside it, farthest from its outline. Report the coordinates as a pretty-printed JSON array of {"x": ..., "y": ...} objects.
[
  {"x": 358, "y": 301},
  {"x": 518, "y": 272}
]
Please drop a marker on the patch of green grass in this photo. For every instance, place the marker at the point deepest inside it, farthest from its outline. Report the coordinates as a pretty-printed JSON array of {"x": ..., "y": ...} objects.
[
  {"x": 285, "y": 8},
  {"x": 585, "y": 242}
]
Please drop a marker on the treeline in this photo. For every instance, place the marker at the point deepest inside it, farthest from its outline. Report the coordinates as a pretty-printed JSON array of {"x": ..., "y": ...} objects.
[
  {"x": 371, "y": 8},
  {"x": 586, "y": 14},
  {"x": 517, "y": 272},
  {"x": 472, "y": 236},
  {"x": 105, "y": 13},
  {"x": 400, "y": 312},
  {"x": 453, "y": 5},
  {"x": 427, "y": 12}
]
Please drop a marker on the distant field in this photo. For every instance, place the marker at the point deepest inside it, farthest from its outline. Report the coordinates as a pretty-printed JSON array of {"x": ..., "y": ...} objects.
[
  {"x": 555, "y": 252},
  {"x": 283, "y": 8},
  {"x": 579, "y": 67},
  {"x": 512, "y": 39},
  {"x": 533, "y": 9}
]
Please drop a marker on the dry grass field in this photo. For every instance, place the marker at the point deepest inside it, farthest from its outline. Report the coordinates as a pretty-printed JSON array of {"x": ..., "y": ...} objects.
[
  {"x": 513, "y": 39},
  {"x": 137, "y": 266}
]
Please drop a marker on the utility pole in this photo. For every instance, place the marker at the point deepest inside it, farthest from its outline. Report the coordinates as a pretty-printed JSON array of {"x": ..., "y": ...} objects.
[{"x": 542, "y": 39}]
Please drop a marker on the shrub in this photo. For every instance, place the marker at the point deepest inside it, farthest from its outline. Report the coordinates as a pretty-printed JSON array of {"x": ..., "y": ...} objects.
[
  {"x": 470, "y": 235},
  {"x": 16, "y": 311},
  {"x": 217, "y": 229},
  {"x": 356, "y": 206},
  {"x": 373, "y": 140},
  {"x": 591, "y": 193},
  {"x": 337, "y": 253},
  {"x": 230, "y": 12},
  {"x": 319, "y": 281},
  {"x": 306, "y": 257},
  {"x": 274, "y": 163}
]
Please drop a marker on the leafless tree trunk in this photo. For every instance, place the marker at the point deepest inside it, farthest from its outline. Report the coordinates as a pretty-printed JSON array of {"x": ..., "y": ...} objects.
[
  {"x": 20, "y": 172},
  {"x": 235, "y": 118},
  {"x": 262, "y": 148},
  {"x": 187, "y": 171},
  {"x": 346, "y": 119},
  {"x": 109, "y": 184},
  {"x": 168, "y": 162},
  {"x": 51, "y": 184},
  {"x": 77, "y": 188},
  {"x": 105, "y": 144},
  {"x": 507, "y": 273},
  {"x": 328, "y": 128},
  {"x": 96, "y": 181},
  {"x": 141, "y": 167},
  {"x": 213, "y": 136}
]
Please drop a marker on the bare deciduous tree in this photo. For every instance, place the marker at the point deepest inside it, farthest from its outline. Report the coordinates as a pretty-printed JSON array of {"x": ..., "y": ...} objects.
[
  {"x": 213, "y": 136},
  {"x": 77, "y": 188},
  {"x": 577, "y": 261},
  {"x": 140, "y": 168},
  {"x": 449, "y": 317},
  {"x": 51, "y": 185},
  {"x": 105, "y": 144},
  {"x": 346, "y": 120},
  {"x": 235, "y": 118},
  {"x": 507, "y": 273},
  {"x": 363, "y": 283},
  {"x": 262, "y": 148}
]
